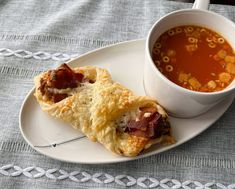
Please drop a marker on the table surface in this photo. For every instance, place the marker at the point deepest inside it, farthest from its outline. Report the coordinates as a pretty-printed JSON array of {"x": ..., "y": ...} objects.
[{"x": 39, "y": 35}]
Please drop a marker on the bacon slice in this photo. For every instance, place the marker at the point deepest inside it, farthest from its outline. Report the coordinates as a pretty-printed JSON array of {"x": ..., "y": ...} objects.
[
  {"x": 152, "y": 126},
  {"x": 139, "y": 125},
  {"x": 61, "y": 78},
  {"x": 64, "y": 77},
  {"x": 56, "y": 97}
]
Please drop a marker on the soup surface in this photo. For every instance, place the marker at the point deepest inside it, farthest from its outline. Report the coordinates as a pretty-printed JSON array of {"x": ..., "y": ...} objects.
[{"x": 195, "y": 58}]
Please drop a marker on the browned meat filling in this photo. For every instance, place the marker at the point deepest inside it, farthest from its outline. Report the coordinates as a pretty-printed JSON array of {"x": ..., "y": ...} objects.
[
  {"x": 149, "y": 124},
  {"x": 60, "y": 78}
]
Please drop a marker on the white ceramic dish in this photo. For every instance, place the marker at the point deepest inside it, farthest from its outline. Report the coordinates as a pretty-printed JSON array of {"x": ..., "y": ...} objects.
[{"x": 125, "y": 62}]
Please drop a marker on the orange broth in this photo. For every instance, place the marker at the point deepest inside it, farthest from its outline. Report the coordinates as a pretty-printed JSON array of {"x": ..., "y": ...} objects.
[{"x": 195, "y": 58}]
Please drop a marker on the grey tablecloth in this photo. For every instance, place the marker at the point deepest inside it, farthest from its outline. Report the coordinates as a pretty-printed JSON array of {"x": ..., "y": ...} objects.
[{"x": 37, "y": 35}]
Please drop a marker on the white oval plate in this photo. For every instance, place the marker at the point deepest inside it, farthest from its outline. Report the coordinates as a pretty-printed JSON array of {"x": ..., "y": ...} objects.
[{"x": 125, "y": 63}]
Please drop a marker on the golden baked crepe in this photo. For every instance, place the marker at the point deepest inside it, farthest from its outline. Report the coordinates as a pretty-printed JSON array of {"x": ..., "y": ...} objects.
[{"x": 104, "y": 110}]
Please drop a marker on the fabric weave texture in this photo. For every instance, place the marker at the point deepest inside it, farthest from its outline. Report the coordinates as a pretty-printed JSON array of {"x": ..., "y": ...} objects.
[{"x": 39, "y": 35}]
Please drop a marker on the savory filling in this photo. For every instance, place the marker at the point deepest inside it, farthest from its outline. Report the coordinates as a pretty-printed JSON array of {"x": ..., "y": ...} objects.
[
  {"x": 55, "y": 83},
  {"x": 144, "y": 122}
]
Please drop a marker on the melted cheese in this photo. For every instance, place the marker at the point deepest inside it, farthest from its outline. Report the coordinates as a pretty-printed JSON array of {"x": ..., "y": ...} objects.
[{"x": 126, "y": 117}]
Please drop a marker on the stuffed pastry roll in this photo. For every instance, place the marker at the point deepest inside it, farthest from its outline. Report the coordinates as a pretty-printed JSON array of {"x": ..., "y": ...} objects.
[{"x": 105, "y": 111}]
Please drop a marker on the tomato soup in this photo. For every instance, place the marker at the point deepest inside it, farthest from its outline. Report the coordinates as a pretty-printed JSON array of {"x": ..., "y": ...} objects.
[{"x": 195, "y": 58}]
